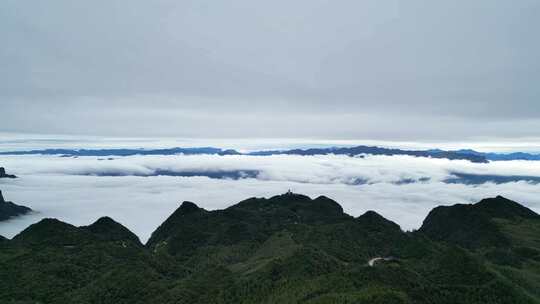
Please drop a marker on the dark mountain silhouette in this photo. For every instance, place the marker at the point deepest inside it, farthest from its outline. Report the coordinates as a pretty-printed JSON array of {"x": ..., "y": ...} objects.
[
  {"x": 285, "y": 249},
  {"x": 108, "y": 229},
  {"x": 474, "y": 225},
  {"x": 9, "y": 209},
  {"x": 373, "y": 220},
  {"x": 54, "y": 232},
  {"x": 51, "y": 231},
  {"x": 4, "y": 175}
]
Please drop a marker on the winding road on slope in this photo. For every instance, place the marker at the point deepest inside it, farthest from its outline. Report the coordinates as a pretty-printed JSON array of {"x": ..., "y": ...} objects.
[{"x": 372, "y": 261}]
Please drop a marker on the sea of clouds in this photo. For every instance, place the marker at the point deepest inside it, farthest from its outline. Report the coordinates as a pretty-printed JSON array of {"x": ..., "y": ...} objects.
[{"x": 130, "y": 189}]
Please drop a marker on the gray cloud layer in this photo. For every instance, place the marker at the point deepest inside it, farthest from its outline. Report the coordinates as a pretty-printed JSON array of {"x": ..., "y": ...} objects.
[
  {"x": 60, "y": 187},
  {"x": 336, "y": 69}
]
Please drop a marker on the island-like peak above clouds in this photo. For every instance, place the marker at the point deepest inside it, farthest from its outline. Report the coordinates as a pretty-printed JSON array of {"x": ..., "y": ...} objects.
[
  {"x": 9, "y": 209},
  {"x": 3, "y": 174}
]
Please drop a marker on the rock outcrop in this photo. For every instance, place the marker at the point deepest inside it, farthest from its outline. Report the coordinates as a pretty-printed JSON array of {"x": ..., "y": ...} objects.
[
  {"x": 4, "y": 175},
  {"x": 9, "y": 209}
]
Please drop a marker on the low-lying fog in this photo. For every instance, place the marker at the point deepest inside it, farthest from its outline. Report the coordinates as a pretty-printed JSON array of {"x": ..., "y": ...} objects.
[{"x": 130, "y": 189}]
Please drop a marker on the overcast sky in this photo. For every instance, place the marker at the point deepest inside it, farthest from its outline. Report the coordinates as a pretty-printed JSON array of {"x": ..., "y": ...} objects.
[{"x": 392, "y": 70}]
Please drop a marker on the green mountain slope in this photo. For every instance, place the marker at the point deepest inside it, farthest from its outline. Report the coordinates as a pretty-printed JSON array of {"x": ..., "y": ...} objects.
[
  {"x": 499, "y": 231},
  {"x": 473, "y": 226},
  {"x": 285, "y": 249}
]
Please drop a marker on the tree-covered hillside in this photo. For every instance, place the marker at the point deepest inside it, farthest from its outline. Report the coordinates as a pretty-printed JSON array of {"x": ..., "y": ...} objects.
[{"x": 285, "y": 249}]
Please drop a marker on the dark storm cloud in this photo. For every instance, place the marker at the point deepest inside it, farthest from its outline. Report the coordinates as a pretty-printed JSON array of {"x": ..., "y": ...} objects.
[{"x": 390, "y": 69}]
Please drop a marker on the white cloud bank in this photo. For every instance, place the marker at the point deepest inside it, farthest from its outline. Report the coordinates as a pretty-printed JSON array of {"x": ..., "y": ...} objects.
[{"x": 65, "y": 188}]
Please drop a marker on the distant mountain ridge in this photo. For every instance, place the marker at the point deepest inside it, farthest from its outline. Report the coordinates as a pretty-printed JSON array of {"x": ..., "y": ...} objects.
[
  {"x": 360, "y": 150},
  {"x": 465, "y": 154},
  {"x": 502, "y": 156},
  {"x": 123, "y": 152}
]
